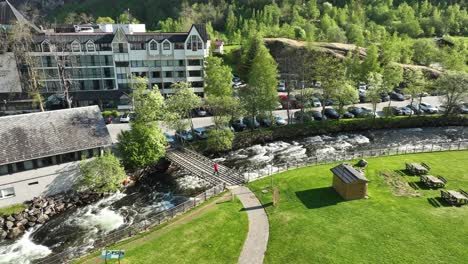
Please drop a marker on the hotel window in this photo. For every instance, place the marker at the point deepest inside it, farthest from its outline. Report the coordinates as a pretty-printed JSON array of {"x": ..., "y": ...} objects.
[
  {"x": 181, "y": 74},
  {"x": 178, "y": 46},
  {"x": 3, "y": 169},
  {"x": 194, "y": 62},
  {"x": 194, "y": 43},
  {"x": 137, "y": 46},
  {"x": 7, "y": 192},
  {"x": 168, "y": 74},
  {"x": 154, "y": 45},
  {"x": 45, "y": 47},
  {"x": 76, "y": 47},
  {"x": 90, "y": 47},
  {"x": 181, "y": 63},
  {"x": 195, "y": 73},
  {"x": 156, "y": 74},
  {"x": 166, "y": 46}
]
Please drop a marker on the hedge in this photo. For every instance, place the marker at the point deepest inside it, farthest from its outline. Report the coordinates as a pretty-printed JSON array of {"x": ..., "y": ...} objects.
[{"x": 294, "y": 131}]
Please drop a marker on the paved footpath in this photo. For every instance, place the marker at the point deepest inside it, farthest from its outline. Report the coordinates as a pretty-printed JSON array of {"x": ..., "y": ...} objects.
[{"x": 257, "y": 238}]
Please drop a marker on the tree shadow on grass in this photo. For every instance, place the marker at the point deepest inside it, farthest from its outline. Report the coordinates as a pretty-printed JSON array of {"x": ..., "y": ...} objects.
[
  {"x": 320, "y": 197},
  {"x": 256, "y": 207}
]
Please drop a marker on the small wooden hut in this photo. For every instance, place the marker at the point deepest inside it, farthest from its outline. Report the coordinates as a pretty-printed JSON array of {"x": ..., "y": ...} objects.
[{"x": 349, "y": 183}]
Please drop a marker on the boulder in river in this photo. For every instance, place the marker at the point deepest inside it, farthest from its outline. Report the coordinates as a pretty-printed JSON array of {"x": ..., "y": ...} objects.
[{"x": 14, "y": 233}]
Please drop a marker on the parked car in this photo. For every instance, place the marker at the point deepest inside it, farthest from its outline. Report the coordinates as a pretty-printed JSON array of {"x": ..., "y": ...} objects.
[
  {"x": 251, "y": 123},
  {"x": 184, "y": 135},
  {"x": 384, "y": 97},
  {"x": 360, "y": 111},
  {"x": 428, "y": 108},
  {"x": 280, "y": 121},
  {"x": 331, "y": 113},
  {"x": 362, "y": 86},
  {"x": 316, "y": 102},
  {"x": 416, "y": 109},
  {"x": 281, "y": 87},
  {"x": 406, "y": 111},
  {"x": 392, "y": 110},
  {"x": 265, "y": 121},
  {"x": 201, "y": 133},
  {"x": 348, "y": 115},
  {"x": 462, "y": 108},
  {"x": 170, "y": 139},
  {"x": 397, "y": 96},
  {"x": 238, "y": 125},
  {"x": 201, "y": 112},
  {"x": 125, "y": 118},
  {"x": 318, "y": 116},
  {"x": 305, "y": 116}
]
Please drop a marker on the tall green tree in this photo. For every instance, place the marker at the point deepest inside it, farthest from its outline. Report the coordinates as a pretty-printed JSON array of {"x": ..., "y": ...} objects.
[
  {"x": 148, "y": 104},
  {"x": 371, "y": 62},
  {"x": 102, "y": 174},
  {"x": 374, "y": 90},
  {"x": 250, "y": 50},
  {"x": 415, "y": 84},
  {"x": 260, "y": 94},
  {"x": 180, "y": 106},
  {"x": 141, "y": 146},
  {"x": 346, "y": 94},
  {"x": 454, "y": 87},
  {"x": 392, "y": 77},
  {"x": 218, "y": 78}
]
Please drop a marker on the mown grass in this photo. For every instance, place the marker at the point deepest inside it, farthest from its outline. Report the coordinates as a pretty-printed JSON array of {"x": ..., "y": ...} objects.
[
  {"x": 214, "y": 234},
  {"x": 12, "y": 209},
  {"x": 312, "y": 224}
]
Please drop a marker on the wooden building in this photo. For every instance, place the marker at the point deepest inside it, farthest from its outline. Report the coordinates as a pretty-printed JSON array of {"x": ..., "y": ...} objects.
[{"x": 349, "y": 183}]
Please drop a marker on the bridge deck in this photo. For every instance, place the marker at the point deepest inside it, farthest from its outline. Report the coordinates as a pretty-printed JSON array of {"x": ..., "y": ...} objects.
[{"x": 202, "y": 167}]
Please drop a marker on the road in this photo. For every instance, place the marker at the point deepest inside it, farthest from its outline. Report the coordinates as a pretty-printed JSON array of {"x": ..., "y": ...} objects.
[{"x": 114, "y": 129}]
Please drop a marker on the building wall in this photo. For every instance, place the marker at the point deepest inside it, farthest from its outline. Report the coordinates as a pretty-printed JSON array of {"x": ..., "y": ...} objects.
[
  {"x": 352, "y": 191},
  {"x": 39, "y": 182}
]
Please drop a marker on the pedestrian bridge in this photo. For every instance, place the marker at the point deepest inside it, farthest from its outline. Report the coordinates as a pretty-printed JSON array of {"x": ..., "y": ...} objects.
[{"x": 202, "y": 167}]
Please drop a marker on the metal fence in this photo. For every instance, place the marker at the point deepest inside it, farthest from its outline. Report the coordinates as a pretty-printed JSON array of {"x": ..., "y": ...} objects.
[
  {"x": 136, "y": 228},
  {"x": 251, "y": 174}
]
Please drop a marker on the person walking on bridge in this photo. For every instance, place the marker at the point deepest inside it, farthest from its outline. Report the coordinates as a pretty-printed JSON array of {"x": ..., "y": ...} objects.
[{"x": 216, "y": 169}]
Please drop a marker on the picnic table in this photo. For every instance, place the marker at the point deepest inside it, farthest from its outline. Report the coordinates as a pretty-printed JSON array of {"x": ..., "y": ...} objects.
[
  {"x": 455, "y": 197},
  {"x": 432, "y": 181},
  {"x": 417, "y": 169}
]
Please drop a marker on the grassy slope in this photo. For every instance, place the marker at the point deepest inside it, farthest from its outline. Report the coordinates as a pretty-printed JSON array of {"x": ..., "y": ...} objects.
[
  {"x": 211, "y": 234},
  {"x": 314, "y": 225},
  {"x": 16, "y": 208}
]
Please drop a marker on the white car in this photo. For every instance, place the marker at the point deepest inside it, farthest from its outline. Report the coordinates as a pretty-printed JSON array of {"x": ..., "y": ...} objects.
[
  {"x": 281, "y": 87},
  {"x": 316, "y": 102},
  {"x": 429, "y": 108},
  {"x": 125, "y": 118}
]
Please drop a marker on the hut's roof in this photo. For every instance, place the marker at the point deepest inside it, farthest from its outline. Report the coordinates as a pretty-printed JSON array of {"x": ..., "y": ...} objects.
[{"x": 348, "y": 174}]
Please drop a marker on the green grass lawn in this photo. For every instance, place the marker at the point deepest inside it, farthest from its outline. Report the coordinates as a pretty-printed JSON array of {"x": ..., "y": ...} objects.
[
  {"x": 312, "y": 224},
  {"x": 12, "y": 209},
  {"x": 210, "y": 234}
]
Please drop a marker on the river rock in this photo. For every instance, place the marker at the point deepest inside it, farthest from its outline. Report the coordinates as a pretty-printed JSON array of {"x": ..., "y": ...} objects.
[
  {"x": 14, "y": 233},
  {"x": 9, "y": 224},
  {"x": 32, "y": 218},
  {"x": 18, "y": 217},
  {"x": 60, "y": 207},
  {"x": 3, "y": 234},
  {"x": 31, "y": 224},
  {"x": 42, "y": 218},
  {"x": 10, "y": 218}
]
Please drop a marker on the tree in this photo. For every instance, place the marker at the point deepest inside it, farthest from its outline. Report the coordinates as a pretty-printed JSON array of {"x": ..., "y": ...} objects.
[
  {"x": 127, "y": 18},
  {"x": 148, "y": 104},
  {"x": 371, "y": 62},
  {"x": 21, "y": 39},
  {"x": 345, "y": 95},
  {"x": 102, "y": 174},
  {"x": 425, "y": 51},
  {"x": 180, "y": 106},
  {"x": 374, "y": 90},
  {"x": 141, "y": 146},
  {"x": 105, "y": 20},
  {"x": 392, "y": 77},
  {"x": 454, "y": 87},
  {"x": 415, "y": 84},
  {"x": 218, "y": 78},
  {"x": 220, "y": 139},
  {"x": 260, "y": 94},
  {"x": 249, "y": 53}
]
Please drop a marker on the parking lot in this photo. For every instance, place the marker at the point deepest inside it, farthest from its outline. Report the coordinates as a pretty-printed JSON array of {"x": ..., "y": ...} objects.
[{"x": 115, "y": 128}]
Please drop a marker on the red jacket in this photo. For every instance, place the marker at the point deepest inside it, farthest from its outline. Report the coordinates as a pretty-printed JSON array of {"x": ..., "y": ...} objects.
[{"x": 215, "y": 166}]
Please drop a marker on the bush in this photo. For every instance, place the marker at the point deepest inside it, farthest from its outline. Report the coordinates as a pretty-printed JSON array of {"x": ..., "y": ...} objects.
[
  {"x": 102, "y": 174},
  {"x": 110, "y": 113},
  {"x": 219, "y": 140}
]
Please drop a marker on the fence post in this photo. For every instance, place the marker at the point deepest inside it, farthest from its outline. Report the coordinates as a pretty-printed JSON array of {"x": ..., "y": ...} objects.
[
  {"x": 459, "y": 143},
  {"x": 432, "y": 147},
  {"x": 205, "y": 195}
]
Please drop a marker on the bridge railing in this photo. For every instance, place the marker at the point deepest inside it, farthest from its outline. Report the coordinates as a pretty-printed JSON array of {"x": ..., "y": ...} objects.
[{"x": 118, "y": 235}]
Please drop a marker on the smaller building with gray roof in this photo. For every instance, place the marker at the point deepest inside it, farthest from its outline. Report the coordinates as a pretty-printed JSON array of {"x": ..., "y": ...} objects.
[
  {"x": 41, "y": 151},
  {"x": 350, "y": 183}
]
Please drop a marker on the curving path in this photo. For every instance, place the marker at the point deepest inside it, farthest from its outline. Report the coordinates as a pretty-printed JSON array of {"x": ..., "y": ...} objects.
[{"x": 257, "y": 238}]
